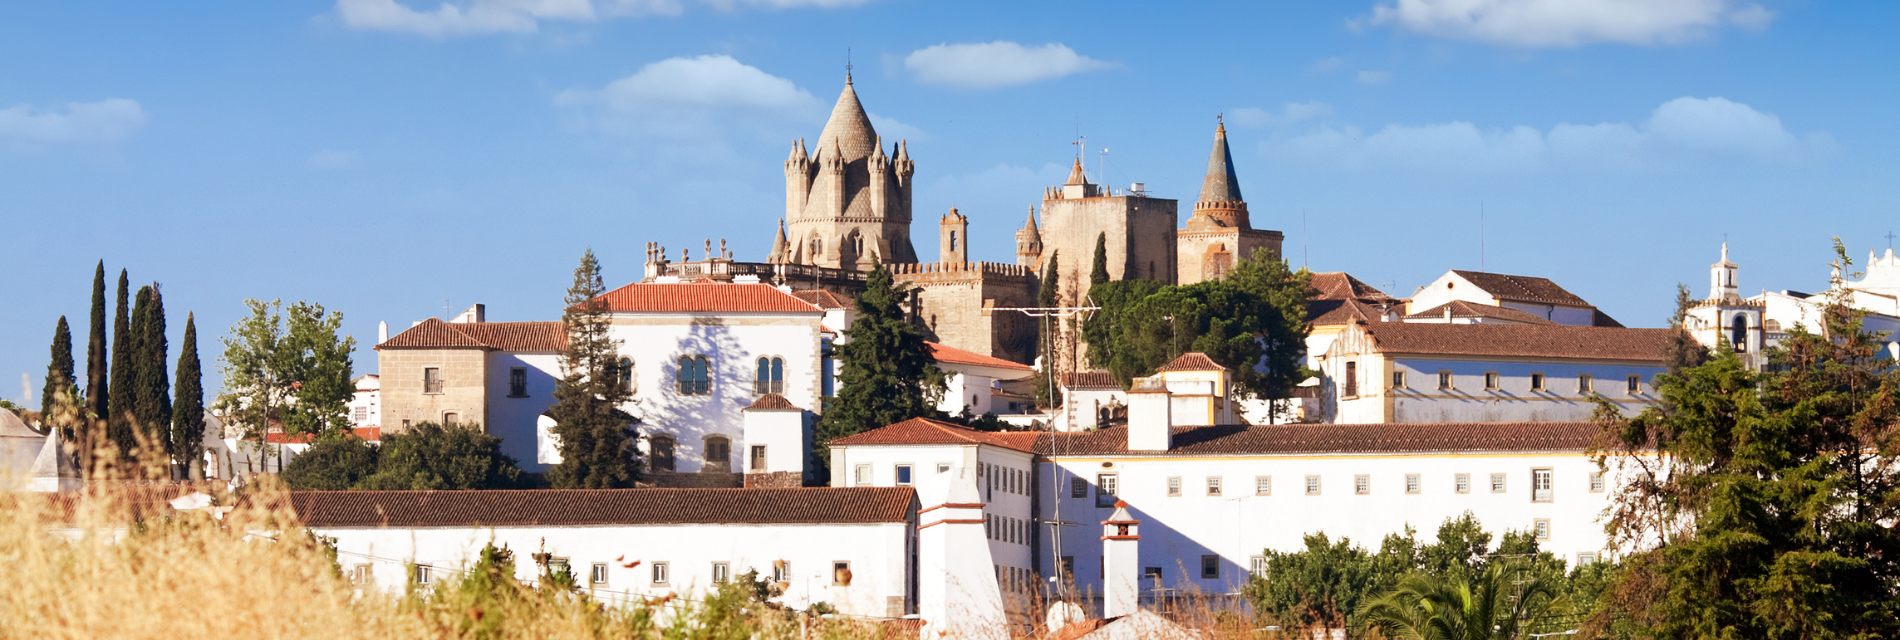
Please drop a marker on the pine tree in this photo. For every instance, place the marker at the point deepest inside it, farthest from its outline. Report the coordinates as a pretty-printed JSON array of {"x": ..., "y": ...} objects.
[
  {"x": 1046, "y": 297},
  {"x": 596, "y": 437},
  {"x": 152, "y": 401},
  {"x": 59, "y": 370},
  {"x": 1099, "y": 274},
  {"x": 1682, "y": 351},
  {"x": 188, "y": 411},
  {"x": 96, "y": 346},
  {"x": 889, "y": 374},
  {"x": 118, "y": 416}
]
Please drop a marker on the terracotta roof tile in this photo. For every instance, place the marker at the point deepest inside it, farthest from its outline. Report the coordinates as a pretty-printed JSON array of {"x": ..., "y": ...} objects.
[
  {"x": 1338, "y": 285},
  {"x": 1192, "y": 361},
  {"x": 817, "y": 505},
  {"x": 1522, "y": 288},
  {"x": 923, "y": 431},
  {"x": 823, "y": 299},
  {"x": 953, "y": 355},
  {"x": 498, "y": 336},
  {"x": 1091, "y": 380},
  {"x": 1520, "y": 340},
  {"x": 1449, "y": 437},
  {"x": 639, "y": 297},
  {"x": 772, "y": 401},
  {"x": 1321, "y": 312},
  {"x": 1463, "y": 309}
]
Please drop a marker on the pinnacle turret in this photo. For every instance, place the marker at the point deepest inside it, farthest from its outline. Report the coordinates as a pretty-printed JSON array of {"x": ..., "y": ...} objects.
[{"x": 1220, "y": 204}]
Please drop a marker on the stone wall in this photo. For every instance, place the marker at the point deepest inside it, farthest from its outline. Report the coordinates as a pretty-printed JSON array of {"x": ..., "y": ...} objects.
[
  {"x": 953, "y": 302},
  {"x": 775, "y": 480},
  {"x": 1140, "y": 237},
  {"x": 463, "y": 391},
  {"x": 1207, "y": 254}
]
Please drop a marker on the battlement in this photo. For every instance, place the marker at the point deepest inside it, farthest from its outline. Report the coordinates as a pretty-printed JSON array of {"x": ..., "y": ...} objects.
[{"x": 959, "y": 270}]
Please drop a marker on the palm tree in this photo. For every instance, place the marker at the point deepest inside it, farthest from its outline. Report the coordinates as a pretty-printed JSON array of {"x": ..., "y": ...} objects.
[{"x": 1495, "y": 606}]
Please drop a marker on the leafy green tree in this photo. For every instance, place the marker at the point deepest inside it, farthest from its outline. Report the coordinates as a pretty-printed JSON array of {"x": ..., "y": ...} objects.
[
  {"x": 888, "y": 376},
  {"x": 596, "y": 436},
  {"x": 151, "y": 393},
  {"x": 1763, "y": 502},
  {"x": 188, "y": 409},
  {"x": 1098, "y": 274},
  {"x": 334, "y": 462},
  {"x": 430, "y": 456},
  {"x": 1321, "y": 586},
  {"x": 286, "y": 366},
  {"x": 59, "y": 370},
  {"x": 96, "y": 368},
  {"x": 1682, "y": 351},
  {"x": 118, "y": 415},
  {"x": 317, "y": 357},
  {"x": 1498, "y": 604}
]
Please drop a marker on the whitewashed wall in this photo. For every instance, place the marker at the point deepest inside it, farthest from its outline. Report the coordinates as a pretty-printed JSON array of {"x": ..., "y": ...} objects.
[{"x": 513, "y": 419}]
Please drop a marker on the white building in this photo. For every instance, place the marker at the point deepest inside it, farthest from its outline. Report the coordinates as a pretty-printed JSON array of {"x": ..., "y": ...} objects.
[
  {"x": 365, "y": 407},
  {"x": 976, "y": 382},
  {"x": 1752, "y": 325},
  {"x": 1538, "y": 297}
]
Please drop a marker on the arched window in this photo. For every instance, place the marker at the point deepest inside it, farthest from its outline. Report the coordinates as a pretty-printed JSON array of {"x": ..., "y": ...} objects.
[
  {"x": 451, "y": 418},
  {"x": 718, "y": 454},
  {"x": 660, "y": 452},
  {"x": 771, "y": 376},
  {"x": 1738, "y": 333},
  {"x": 622, "y": 374},
  {"x": 953, "y": 241},
  {"x": 817, "y": 247},
  {"x": 695, "y": 376}
]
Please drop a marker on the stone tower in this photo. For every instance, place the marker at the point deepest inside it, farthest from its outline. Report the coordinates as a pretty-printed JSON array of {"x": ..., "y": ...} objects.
[
  {"x": 1139, "y": 231},
  {"x": 1724, "y": 317},
  {"x": 847, "y": 202},
  {"x": 1029, "y": 242},
  {"x": 1220, "y": 232},
  {"x": 953, "y": 231}
]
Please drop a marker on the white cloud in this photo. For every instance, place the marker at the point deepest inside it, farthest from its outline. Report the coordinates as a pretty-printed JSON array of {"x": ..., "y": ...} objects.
[
  {"x": 892, "y": 130},
  {"x": 1289, "y": 114},
  {"x": 1328, "y": 65},
  {"x": 1568, "y": 23},
  {"x": 332, "y": 160},
  {"x": 104, "y": 121},
  {"x": 1684, "y": 130},
  {"x": 692, "y": 99},
  {"x": 1374, "y": 77},
  {"x": 482, "y": 17},
  {"x": 988, "y": 65}
]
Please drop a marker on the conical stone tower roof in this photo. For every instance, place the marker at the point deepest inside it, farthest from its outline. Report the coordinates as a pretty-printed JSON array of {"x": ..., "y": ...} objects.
[
  {"x": 1220, "y": 185},
  {"x": 849, "y": 127}
]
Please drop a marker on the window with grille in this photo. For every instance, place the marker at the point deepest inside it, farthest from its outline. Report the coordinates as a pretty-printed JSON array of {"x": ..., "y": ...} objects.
[
  {"x": 771, "y": 376},
  {"x": 1464, "y": 483},
  {"x": 1634, "y": 384},
  {"x": 1106, "y": 486},
  {"x": 431, "y": 380},
  {"x": 1411, "y": 483},
  {"x": 1312, "y": 485},
  {"x": 1210, "y": 567},
  {"x": 1542, "y": 527},
  {"x": 517, "y": 382},
  {"x": 758, "y": 457},
  {"x": 718, "y": 454},
  {"x": 1362, "y": 484},
  {"x": 1258, "y": 565},
  {"x": 598, "y": 576},
  {"x": 695, "y": 376},
  {"x": 1352, "y": 379},
  {"x": 1078, "y": 488},
  {"x": 1497, "y": 483},
  {"x": 1263, "y": 485},
  {"x": 359, "y": 415},
  {"x": 1596, "y": 482},
  {"x": 1540, "y": 485},
  {"x": 1586, "y": 558},
  {"x": 1213, "y": 485},
  {"x": 1174, "y": 486}
]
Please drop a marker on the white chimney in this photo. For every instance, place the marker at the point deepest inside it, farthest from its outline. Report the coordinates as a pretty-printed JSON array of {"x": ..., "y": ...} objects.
[
  {"x": 1150, "y": 415},
  {"x": 474, "y": 314},
  {"x": 382, "y": 332},
  {"x": 1121, "y": 563}
]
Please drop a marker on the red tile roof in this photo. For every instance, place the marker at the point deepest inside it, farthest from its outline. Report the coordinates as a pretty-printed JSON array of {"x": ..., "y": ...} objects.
[
  {"x": 772, "y": 401},
  {"x": 1520, "y": 340},
  {"x": 639, "y": 297},
  {"x": 1463, "y": 309},
  {"x": 1337, "y": 312},
  {"x": 557, "y": 507},
  {"x": 1448, "y": 437},
  {"x": 823, "y": 299},
  {"x": 1522, "y": 288},
  {"x": 493, "y": 336},
  {"x": 954, "y": 355},
  {"x": 276, "y": 435},
  {"x": 1091, "y": 380},
  {"x": 1338, "y": 285},
  {"x": 1192, "y": 361},
  {"x": 925, "y": 431}
]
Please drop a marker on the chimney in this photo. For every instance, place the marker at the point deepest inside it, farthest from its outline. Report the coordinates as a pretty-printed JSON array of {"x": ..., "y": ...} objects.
[
  {"x": 1121, "y": 563},
  {"x": 474, "y": 314},
  {"x": 1150, "y": 415},
  {"x": 957, "y": 593},
  {"x": 382, "y": 332}
]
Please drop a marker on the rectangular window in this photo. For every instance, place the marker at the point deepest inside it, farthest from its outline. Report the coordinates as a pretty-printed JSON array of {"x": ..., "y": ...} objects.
[
  {"x": 1596, "y": 482},
  {"x": 1398, "y": 379},
  {"x": 360, "y": 575},
  {"x": 424, "y": 574},
  {"x": 781, "y": 571},
  {"x": 1174, "y": 486},
  {"x": 1352, "y": 379},
  {"x": 1312, "y": 485},
  {"x": 1263, "y": 485},
  {"x": 660, "y": 573},
  {"x": 758, "y": 457},
  {"x": 1210, "y": 567},
  {"x": 903, "y": 475},
  {"x": 1497, "y": 483},
  {"x": 721, "y": 573},
  {"x": 1078, "y": 488},
  {"x": 1258, "y": 564},
  {"x": 1540, "y": 485},
  {"x": 1586, "y": 558},
  {"x": 1537, "y": 382},
  {"x": 1634, "y": 384},
  {"x": 1583, "y": 383},
  {"x": 598, "y": 576},
  {"x": 1464, "y": 483},
  {"x": 1491, "y": 381},
  {"x": 1444, "y": 379},
  {"x": 943, "y": 467},
  {"x": 864, "y": 475},
  {"x": 841, "y": 574},
  {"x": 1542, "y": 527},
  {"x": 431, "y": 380},
  {"x": 1105, "y": 487},
  {"x": 1411, "y": 483},
  {"x": 1153, "y": 574},
  {"x": 359, "y": 415},
  {"x": 1213, "y": 485},
  {"x": 1362, "y": 484},
  {"x": 517, "y": 382}
]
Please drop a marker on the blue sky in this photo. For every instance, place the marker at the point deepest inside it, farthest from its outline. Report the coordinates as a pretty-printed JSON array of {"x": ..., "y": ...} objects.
[{"x": 382, "y": 157}]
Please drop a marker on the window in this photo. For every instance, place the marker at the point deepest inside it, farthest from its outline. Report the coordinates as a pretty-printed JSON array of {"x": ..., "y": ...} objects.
[
  {"x": 1213, "y": 485},
  {"x": 1263, "y": 485},
  {"x": 1153, "y": 574},
  {"x": 359, "y": 415},
  {"x": 660, "y": 450},
  {"x": 771, "y": 376},
  {"x": 1537, "y": 382},
  {"x": 718, "y": 454},
  {"x": 841, "y": 574},
  {"x": 1542, "y": 528},
  {"x": 1258, "y": 565},
  {"x": 598, "y": 576},
  {"x": 1464, "y": 483},
  {"x": 903, "y": 475},
  {"x": 1362, "y": 484},
  {"x": 1491, "y": 381},
  {"x": 431, "y": 380},
  {"x": 1738, "y": 333},
  {"x": 1633, "y": 384},
  {"x": 1174, "y": 486},
  {"x": 1106, "y": 486},
  {"x": 781, "y": 571},
  {"x": 721, "y": 573},
  {"x": 1312, "y": 485},
  {"x": 1596, "y": 482},
  {"x": 405, "y": 425},
  {"x": 623, "y": 375},
  {"x": 1411, "y": 483},
  {"x": 1583, "y": 383},
  {"x": 1444, "y": 379},
  {"x": 695, "y": 376},
  {"x": 517, "y": 382},
  {"x": 1398, "y": 379},
  {"x": 1078, "y": 488},
  {"x": 953, "y": 241},
  {"x": 1352, "y": 379},
  {"x": 1586, "y": 557},
  {"x": 424, "y": 574},
  {"x": 864, "y": 475},
  {"x": 1540, "y": 485},
  {"x": 1497, "y": 483},
  {"x": 360, "y": 575},
  {"x": 1210, "y": 567},
  {"x": 451, "y": 418},
  {"x": 758, "y": 458},
  {"x": 660, "y": 573}
]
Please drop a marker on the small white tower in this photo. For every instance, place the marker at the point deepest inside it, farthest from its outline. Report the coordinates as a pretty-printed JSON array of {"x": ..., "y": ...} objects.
[
  {"x": 1725, "y": 318},
  {"x": 1121, "y": 563},
  {"x": 1722, "y": 279}
]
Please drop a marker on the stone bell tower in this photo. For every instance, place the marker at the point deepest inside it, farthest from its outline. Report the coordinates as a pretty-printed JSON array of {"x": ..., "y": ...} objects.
[
  {"x": 847, "y": 202},
  {"x": 1220, "y": 233}
]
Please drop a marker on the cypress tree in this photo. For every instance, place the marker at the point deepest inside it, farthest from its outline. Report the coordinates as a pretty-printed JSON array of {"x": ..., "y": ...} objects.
[
  {"x": 59, "y": 370},
  {"x": 1099, "y": 274},
  {"x": 124, "y": 372},
  {"x": 188, "y": 412},
  {"x": 596, "y": 436},
  {"x": 889, "y": 374},
  {"x": 96, "y": 346},
  {"x": 1046, "y": 340},
  {"x": 152, "y": 402}
]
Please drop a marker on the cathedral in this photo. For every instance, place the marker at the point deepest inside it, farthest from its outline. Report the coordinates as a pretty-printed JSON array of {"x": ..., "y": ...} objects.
[{"x": 848, "y": 206}]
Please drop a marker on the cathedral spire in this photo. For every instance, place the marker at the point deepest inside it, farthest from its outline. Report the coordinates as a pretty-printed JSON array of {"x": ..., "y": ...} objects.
[
  {"x": 1220, "y": 204},
  {"x": 780, "y": 246},
  {"x": 1076, "y": 175}
]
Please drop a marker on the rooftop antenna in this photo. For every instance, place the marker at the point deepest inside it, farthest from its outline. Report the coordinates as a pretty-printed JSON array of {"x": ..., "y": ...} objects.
[
  {"x": 445, "y": 308},
  {"x": 847, "y": 65}
]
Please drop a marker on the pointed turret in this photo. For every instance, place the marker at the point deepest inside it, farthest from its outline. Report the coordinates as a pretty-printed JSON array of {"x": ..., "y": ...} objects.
[
  {"x": 1220, "y": 204},
  {"x": 849, "y": 184},
  {"x": 1029, "y": 242},
  {"x": 780, "y": 247},
  {"x": 1722, "y": 282},
  {"x": 1077, "y": 175}
]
